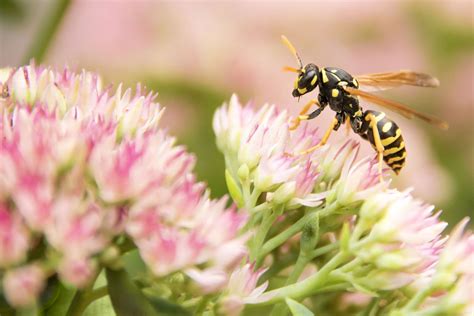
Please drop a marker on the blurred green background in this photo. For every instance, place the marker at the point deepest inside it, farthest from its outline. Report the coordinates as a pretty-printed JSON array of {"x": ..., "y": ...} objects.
[{"x": 196, "y": 54}]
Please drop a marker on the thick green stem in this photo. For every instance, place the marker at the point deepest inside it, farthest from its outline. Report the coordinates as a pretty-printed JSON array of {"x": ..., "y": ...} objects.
[
  {"x": 295, "y": 228},
  {"x": 323, "y": 250},
  {"x": 280, "y": 309},
  {"x": 300, "y": 264},
  {"x": 308, "y": 286},
  {"x": 417, "y": 300},
  {"x": 267, "y": 222},
  {"x": 285, "y": 235},
  {"x": 48, "y": 30}
]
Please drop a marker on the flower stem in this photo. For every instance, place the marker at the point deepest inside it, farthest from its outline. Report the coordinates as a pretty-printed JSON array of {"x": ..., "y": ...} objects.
[
  {"x": 323, "y": 250},
  {"x": 295, "y": 228},
  {"x": 417, "y": 300},
  {"x": 306, "y": 287},
  {"x": 48, "y": 30},
  {"x": 285, "y": 235},
  {"x": 268, "y": 218}
]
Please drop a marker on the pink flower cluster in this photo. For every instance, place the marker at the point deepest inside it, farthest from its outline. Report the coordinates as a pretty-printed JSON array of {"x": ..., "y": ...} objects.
[
  {"x": 401, "y": 239},
  {"x": 81, "y": 165}
]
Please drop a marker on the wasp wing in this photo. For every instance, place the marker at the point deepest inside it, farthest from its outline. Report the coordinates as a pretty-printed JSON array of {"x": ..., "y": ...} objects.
[
  {"x": 397, "y": 107},
  {"x": 389, "y": 80}
]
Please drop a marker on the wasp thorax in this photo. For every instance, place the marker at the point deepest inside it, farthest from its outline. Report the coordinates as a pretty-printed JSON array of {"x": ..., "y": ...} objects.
[{"x": 307, "y": 80}]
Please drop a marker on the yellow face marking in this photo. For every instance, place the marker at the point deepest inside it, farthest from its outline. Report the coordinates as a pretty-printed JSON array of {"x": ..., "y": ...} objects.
[
  {"x": 392, "y": 160},
  {"x": 386, "y": 127},
  {"x": 334, "y": 93},
  {"x": 387, "y": 141},
  {"x": 394, "y": 150},
  {"x": 325, "y": 76},
  {"x": 302, "y": 91},
  {"x": 313, "y": 82},
  {"x": 296, "y": 83}
]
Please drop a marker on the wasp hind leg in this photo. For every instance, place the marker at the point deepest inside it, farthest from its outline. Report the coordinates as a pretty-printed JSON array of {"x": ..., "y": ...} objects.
[{"x": 378, "y": 144}]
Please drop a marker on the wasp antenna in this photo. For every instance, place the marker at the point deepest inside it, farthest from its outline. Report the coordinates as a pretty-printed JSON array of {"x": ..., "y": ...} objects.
[
  {"x": 291, "y": 69},
  {"x": 292, "y": 49}
]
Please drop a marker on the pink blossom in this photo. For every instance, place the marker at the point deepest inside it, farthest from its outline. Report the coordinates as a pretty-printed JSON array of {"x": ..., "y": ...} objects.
[
  {"x": 14, "y": 237},
  {"x": 260, "y": 141},
  {"x": 23, "y": 285},
  {"x": 401, "y": 239},
  {"x": 359, "y": 180},
  {"x": 241, "y": 289},
  {"x": 77, "y": 271}
]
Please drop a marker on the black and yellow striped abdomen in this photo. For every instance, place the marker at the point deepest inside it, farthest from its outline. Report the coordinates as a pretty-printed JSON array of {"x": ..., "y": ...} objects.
[{"x": 394, "y": 152}]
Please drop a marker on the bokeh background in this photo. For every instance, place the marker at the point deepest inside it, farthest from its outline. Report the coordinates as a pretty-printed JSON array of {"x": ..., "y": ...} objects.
[{"x": 197, "y": 53}]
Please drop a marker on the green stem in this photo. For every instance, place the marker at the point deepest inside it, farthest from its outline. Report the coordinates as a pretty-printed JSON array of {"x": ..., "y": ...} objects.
[
  {"x": 417, "y": 299},
  {"x": 280, "y": 309},
  {"x": 306, "y": 287},
  {"x": 48, "y": 30},
  {"x": 300, "y": 264},
  {"x": 268, "y": 218},
  {"x": 323, "y": 250},
  {"x": 285, "y": 235},
  {"x": 82, "y": 299}
]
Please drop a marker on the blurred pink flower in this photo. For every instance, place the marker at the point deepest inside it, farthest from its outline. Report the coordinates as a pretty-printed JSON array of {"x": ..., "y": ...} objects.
[
  {"x": 80, "y": 165},
  {"x": 78, "y": 272},
  {"x": 14, "y": 237},
  {"x": 23, "y": 285},
  {"x": 242, "y": 288}
]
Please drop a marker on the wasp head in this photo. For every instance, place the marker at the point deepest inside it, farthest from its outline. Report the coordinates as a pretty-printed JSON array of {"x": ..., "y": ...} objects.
[{"x": 307, "y": 80}]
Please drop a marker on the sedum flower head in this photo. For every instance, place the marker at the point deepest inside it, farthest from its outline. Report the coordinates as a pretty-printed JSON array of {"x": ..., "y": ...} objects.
[
  {"x": 398, "y": 236},
  {"x": 82, "y": 167},
  {"x": 453, "y": 277}
]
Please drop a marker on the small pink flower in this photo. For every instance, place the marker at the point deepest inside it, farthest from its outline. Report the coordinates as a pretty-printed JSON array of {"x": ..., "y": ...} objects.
[
  {"x": 241, "y": 289},
  {"x": 76, "y": 271},
  {"x": 14, "y": 237},
  {"x": 399, "y": 236},
  {"x": 358, "y": 181},
  {"x": 23, "y": 285}
]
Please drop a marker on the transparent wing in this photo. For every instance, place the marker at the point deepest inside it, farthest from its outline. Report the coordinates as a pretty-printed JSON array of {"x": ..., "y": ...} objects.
[
  {"x": 397, "y": 107},
  {"x": 389, "y": 80}
]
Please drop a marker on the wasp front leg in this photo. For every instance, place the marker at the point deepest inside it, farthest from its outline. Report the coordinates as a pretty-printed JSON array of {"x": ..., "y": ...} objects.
[
  {"x": 302, "y": 117},
  {"x": 335, "y": 124}
]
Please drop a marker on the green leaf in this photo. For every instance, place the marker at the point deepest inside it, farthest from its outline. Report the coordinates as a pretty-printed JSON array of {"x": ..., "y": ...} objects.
[
  {"x": 126, "y": 298},
  {"x": 310, "y": 235},
  {"x": 61, "y": 303},
  {"x": 298, "y": 309},
  {"x": 234, "y": 189}
]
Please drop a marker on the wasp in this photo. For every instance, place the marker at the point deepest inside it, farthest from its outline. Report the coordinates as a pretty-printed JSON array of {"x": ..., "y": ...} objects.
[{"x": 341, "y": 92}]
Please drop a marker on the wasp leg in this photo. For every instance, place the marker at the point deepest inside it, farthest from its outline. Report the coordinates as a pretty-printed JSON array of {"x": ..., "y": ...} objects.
[
  {"x": 348, "y": 126},
  {"x": 323, "y": 140},
  {"x": 378, "y": 144},
  {"x": 302, "y": 116}
]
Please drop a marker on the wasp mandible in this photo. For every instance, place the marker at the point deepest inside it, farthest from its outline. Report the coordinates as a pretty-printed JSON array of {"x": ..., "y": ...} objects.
[{"x": 341, "y": 91}]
